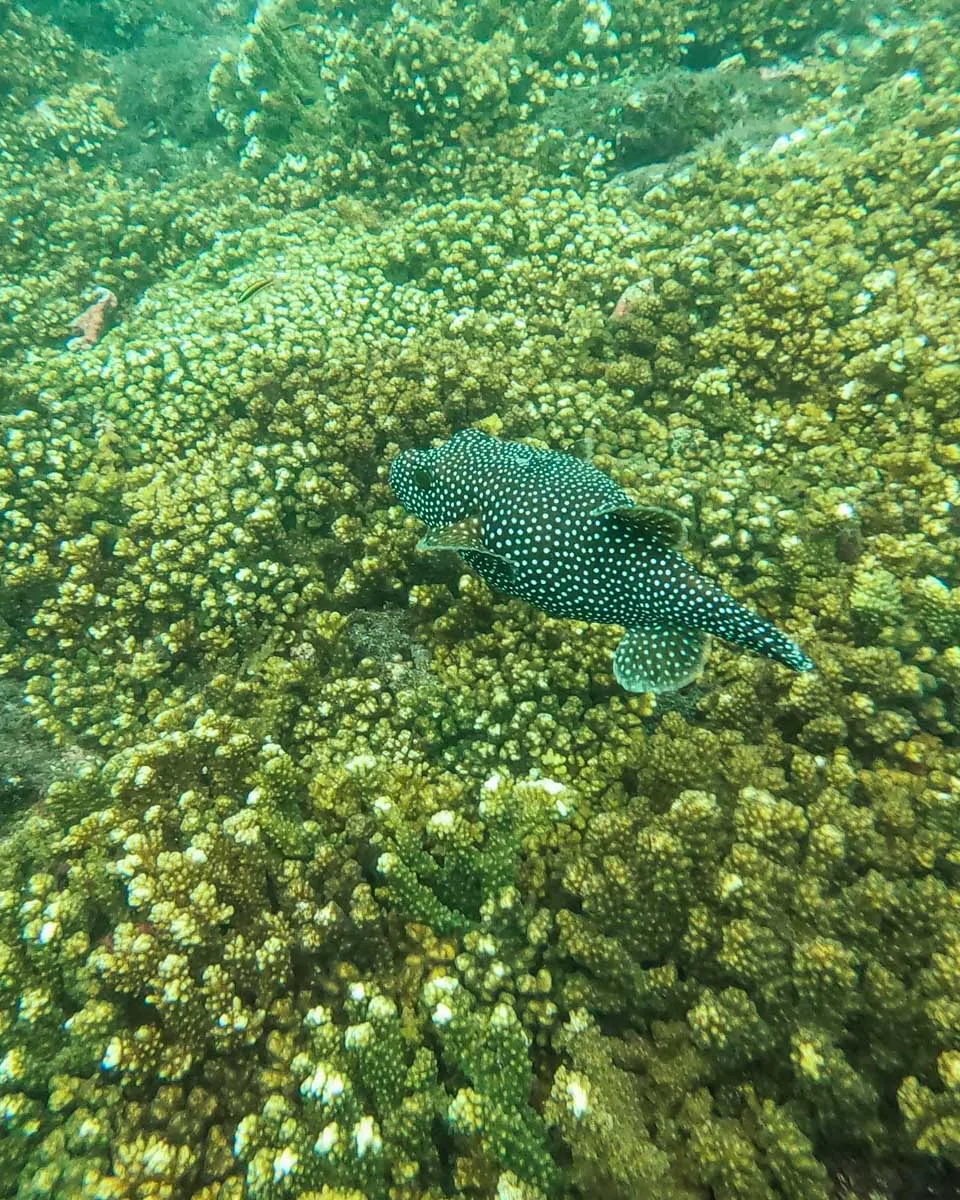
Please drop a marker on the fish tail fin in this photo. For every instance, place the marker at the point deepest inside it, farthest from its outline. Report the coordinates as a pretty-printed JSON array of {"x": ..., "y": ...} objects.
[
  {"x": 782, "y": 649},
  {"x": 741, "y": 626},
  {"x": 659, "y": 658},
  {"x": 708, "y": 607},
  {"x": 692, "y": 601}
]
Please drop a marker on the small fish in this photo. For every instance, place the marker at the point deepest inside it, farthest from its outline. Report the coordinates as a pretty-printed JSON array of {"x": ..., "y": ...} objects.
[
  {"x": 94, "y": 321},
  {"x": 254, "y": 287},
  {"x": 556, "y": 531}
]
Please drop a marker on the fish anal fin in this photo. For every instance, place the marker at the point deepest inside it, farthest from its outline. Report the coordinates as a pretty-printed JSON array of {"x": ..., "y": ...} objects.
[
  {"x": 659, "y": 658},
  {"x": 648, "y": 521},
  {"x": 463, "y": 535}
]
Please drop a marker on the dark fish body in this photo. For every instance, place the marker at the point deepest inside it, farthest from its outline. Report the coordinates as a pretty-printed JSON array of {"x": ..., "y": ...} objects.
[{"x": 556, "y": 531}]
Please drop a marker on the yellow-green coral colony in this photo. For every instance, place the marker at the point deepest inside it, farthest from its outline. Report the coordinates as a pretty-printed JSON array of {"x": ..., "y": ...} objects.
[{"x": 330, "y": 871}]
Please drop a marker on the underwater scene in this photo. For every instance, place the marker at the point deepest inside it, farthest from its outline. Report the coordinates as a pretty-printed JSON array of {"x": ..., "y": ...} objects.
[{"x": 479, "y": 600}]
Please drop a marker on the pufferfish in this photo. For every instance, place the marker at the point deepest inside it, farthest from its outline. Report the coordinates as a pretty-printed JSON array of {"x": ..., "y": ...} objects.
[{"x": 557, "y": 532}]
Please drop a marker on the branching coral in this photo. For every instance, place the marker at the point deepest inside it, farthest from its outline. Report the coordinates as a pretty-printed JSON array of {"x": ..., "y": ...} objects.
[
  {"x": 393, "y": 89},
  {"x": 315, "y": 1073},
  {"x": 420, "y": 904}
]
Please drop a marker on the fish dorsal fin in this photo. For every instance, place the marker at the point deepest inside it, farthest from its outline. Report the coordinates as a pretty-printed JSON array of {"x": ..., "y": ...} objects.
[
  {"x": 658, "y": 658},
  {"x": 462, "y": 535},
  {"x": 647, "y": 521}
]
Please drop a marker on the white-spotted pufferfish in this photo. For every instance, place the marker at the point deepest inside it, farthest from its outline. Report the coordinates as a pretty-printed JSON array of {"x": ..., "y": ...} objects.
[{"x": 556, "y": 531}]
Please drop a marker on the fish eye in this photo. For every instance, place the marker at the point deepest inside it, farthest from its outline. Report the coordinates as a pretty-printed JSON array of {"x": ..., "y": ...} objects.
[{"x": 423, "y": 477}]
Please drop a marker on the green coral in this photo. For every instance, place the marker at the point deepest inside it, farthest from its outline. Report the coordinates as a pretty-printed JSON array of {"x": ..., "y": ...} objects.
[
  {"x": 317, "y": 1075},
  {"x": 60, "y": 102},
  {"x": 357, "y": 879},
  {"x": 637, "y": 1117},
  {"x": 393, "y": 92},
  {"x": 371, "y": 92},
  {"x": 117, "y": 22}
]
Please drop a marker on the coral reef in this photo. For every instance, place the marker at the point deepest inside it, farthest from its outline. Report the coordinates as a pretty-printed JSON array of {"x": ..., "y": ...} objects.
[
  {"x": 102, "y": 23},
  {"x": 327, "y": 1026},
  {"x": 374, "y": 94},
  {"x": 393, "y": 93},
  {"x": 58, "y": 101},
  {"x": 329, "y": 873}
]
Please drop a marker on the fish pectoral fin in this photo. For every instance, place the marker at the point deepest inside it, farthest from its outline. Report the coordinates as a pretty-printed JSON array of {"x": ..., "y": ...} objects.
[
  {"x": 659, "y": 658},
  {"x": 648, "y": 521},
  {"x": 463, "y": 535}
]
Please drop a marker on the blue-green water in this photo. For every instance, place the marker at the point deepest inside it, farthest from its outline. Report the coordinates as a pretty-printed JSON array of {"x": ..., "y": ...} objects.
[{"x": 332, "y": 868}]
